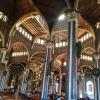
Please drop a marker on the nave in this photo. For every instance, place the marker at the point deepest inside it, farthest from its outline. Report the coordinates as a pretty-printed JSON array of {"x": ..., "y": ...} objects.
[{"x": 50, "y": 49}]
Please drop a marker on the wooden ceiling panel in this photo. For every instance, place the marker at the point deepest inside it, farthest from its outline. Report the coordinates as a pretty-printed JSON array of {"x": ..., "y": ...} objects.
[
  {"x": 18, "y": 47},
  {"x": 90, "y": 9},
  {"x": 34, "y": 27},
  {"x": 89, "y": 51}
]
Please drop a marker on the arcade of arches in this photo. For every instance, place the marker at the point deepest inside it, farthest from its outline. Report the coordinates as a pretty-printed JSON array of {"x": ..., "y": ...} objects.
[{"x": 49, "y": 49}]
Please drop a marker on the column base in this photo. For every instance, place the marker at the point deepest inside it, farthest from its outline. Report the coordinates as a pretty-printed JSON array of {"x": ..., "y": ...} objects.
[
  {"x": 73, "y": 99},
  {"x": 44, "y": 99}
]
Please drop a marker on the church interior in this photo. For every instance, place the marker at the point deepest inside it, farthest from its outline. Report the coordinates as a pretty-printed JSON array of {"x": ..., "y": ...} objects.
[{"x": 49, "y": 49}]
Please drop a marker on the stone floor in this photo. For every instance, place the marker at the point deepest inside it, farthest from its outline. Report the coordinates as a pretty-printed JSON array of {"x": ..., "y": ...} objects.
[{"x": 14, "y": 97}]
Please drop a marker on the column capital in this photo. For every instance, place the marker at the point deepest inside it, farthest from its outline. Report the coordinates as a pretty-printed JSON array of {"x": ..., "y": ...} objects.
[
  {"x": 96, "y": 56},
  {"x": 49, "y": 44},
  {"x": 26, "y": 70},
  {"x": 72, "y": 16},
  {"x": 78, "y": 73},
  {"x": 63, "y": 74},
  {"x": 3, "y": 50},
  {"x": 82, "y": 74}
]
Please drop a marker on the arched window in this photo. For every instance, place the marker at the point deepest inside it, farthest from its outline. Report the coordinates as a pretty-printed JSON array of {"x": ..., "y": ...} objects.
[{"x": 90, "y": 89}]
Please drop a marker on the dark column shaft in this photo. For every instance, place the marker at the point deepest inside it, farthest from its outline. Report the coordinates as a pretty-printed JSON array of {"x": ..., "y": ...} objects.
[
  {"x": 44, "y": 94},
  {"x": 97, "y": 82},
  {"x": 71, "y": 81}
]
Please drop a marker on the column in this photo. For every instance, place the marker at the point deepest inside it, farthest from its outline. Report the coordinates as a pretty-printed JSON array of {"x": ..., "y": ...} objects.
[
  {"x": 71, "y": 72},
  {"x": 6, "y": 74},
  {"x": 54, "y": 85},
  {"x": 3, "y": 54},
  {"x": 23, "y": 84},
  {"x": 82, "y": 85},
  {"x": 97, "y": 79},
  {"x": 95, "y": 89},
  {"x": 51, "y": 87},
  {"x": 3, "y": 80},
  {"x": 60, "y": 88},
  {"x": 78, "y": 84},
  {"x": 2, "y": 76},
  {"x": 44, "y": 91}
]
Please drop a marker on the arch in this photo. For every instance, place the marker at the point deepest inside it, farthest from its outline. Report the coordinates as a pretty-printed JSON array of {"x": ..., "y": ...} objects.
[
  {"x": 23, "y": 46},
  {"x": 30, "y": 74},
  {"x": 86, "y": 66},
  {"x": 61, "y": 57},
  {"x": 41, "y": 54},
  {"x": 90, "y": 27},
  {"x": 88, "y": 51},
  {"x": 90, "y": 89},
  {"x": 2, "y": 39},
  {"x": 88, "y": 48},
  {"x": 16, "y": 64},
  {"x": 86, "y": 27},
  {"x": 14, "y": 67},
  {"x": 36, "y": 54},
  {"x": 56, "y": 71},
  {"x": 24, "y": 18}
]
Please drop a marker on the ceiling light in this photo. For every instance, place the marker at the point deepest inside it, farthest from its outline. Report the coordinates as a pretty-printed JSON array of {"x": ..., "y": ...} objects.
[
  {"x": 42, "y": 41},
  {"x": 88, "y": 58},
  {"x": 19, "y": 53},
  {"x": 60, "y": 44},
  {"x": 20, "y": 29},
  {"x": 57, "y": 45},
  {"x": 17, "y": 25},
  {"x": 84, "y": 37},
  {"x": 30, "y": 37},
  {"x": 1, "y": 15},
  {"x": 64, "y": 63},
  {"x": 83, "y": 57},
  {"x": 25, "y": 34},
  {"x": 61, "y": 17},
  {"x": 91, "y": 58},
  {"x": 64, "y": 43},
  {"x": 87, "y": 35},
  {"x": 12, "y": 54},
  {"x": 98, "y": 25},
  {"x": 5, "y": 19},
  {"x": 38, "y": 41},
  {"x": 24, "y": 53},
  {"x": 90, "y": 34}
]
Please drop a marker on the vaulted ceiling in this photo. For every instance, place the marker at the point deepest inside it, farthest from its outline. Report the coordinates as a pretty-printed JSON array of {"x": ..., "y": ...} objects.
[{"x": 50, "y": 10}]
